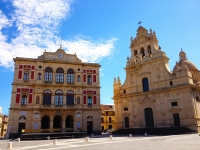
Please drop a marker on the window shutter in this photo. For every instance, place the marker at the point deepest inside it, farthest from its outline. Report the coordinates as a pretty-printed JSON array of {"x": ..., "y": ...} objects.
[
  {"x": 30, "y": 98},
  {"x": 84, "y": 78},
  {"x": 20, "y": 66},
  {"x": 84, "y": 99},
  {"x": 18, "y": 89},
  {"x": 94, "y": 78},
  {"x": 31, "y": 90},
  {"x": 32, "y": 75},
  {"x": 17, "y": 98},
  {"x": 20, "y": 74},
  {"x": 95, "y": 100}
]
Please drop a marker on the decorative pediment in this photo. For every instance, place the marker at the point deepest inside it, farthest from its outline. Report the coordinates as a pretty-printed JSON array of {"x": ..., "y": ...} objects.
[
  {"x": 126, "y": 114},
  {"x": 60, "y": 55},
  {"x": 146, "y": 100},
  {"x": 175, "y": 110}
]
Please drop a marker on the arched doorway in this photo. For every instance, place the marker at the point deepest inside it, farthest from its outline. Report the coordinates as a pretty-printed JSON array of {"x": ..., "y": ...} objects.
[
  {"x": 69, "y": 123},
  {"x": 57, "y": 122},
  {"x": 45, "y": 123},
  {"x": 149, "y": 117}
]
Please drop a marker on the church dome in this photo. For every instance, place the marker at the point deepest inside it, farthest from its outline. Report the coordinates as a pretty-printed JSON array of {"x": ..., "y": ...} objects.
[
  {"x": 189, "y": 64},
  {"x": 184, "y": 63}
]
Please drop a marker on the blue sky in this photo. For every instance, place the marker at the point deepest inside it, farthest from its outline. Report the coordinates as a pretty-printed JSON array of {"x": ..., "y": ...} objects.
[{"x": 97, "y": 30}]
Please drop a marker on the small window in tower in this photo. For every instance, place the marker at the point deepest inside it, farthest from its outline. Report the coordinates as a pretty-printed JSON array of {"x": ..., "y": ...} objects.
[
  {"x": 171, "y": 83},
  {"x": 40, "y": 67},
  {"x": 125, "y": 108},
  {"x": 174, "y": 103},
  {"x": 79, "y": 69},
  {"x": 124, "y": 91},
  {"x": 197, "y": 98}
]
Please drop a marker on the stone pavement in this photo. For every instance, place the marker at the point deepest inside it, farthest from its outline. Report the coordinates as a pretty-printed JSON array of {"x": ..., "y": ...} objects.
[{"x": 103, "y": 142}]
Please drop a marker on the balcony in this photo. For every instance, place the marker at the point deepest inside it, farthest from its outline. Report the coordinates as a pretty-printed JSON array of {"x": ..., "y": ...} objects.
[
  {"x": 70, "y": 105},
  {"x": 48, "y": 81},
  {"x": 25, "y": 81},
  {"x": 45, "y": 105},
  {"x": 70, "y": 83},
  {"x": 59, "y": 82},
  {"x": 23, "y": 105},
  {"x": 89, "y": 105},
  {"x": 58, "y": 105}
]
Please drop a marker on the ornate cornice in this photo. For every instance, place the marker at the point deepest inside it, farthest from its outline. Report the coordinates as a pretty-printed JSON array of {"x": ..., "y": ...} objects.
[{"x": 55, "y": 61}]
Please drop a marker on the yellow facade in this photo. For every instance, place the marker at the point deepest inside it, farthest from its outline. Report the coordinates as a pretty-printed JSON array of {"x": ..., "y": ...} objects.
[
  {"x": 152, "y": 95},
  {"x": 56, "y": 91},
  {"x": 107, "y": 117}
]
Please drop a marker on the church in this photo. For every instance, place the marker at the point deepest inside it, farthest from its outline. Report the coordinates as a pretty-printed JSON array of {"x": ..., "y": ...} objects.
[
  {"x": 55, "y": 92},
  {"x": 152, "y": 95}
]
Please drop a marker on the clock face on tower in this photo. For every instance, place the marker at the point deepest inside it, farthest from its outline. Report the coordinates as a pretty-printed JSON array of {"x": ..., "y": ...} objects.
[{"x": 60, "y": 55}]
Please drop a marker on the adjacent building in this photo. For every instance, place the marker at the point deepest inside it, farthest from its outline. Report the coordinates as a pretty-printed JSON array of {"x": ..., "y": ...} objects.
[
  {"x": 55, "y": 92},
  {"x": 152, "y": 95},
  {"x": 107, "y": 117},
  {"x": 3, "y": 124}
]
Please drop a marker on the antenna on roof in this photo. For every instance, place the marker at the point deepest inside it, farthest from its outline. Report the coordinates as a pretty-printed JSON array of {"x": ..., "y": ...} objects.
[{"x": 60, "y": 42}]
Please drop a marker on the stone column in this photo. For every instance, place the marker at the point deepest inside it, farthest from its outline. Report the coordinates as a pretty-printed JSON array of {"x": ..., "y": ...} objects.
[
  {"x": 63, "y": 125},
  {"x": 51, "y": 124},
  {"x": 52, "y": 99}
]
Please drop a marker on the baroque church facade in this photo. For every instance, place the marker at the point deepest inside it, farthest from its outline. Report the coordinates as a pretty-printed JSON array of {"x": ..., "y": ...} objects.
[
  {"x": 55, "y": 92},
  {"x": 152, "y": 95}
]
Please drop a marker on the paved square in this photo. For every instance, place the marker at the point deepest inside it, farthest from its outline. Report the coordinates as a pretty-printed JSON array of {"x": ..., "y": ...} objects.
[{"x": 103, "y": 142}]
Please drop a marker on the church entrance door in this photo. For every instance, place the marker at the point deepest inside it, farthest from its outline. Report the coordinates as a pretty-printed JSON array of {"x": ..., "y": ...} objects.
[
  {"x": 176, "y": 120},
  {"x": 149, "y": 117},
  {"x": 126, "y": 120}
]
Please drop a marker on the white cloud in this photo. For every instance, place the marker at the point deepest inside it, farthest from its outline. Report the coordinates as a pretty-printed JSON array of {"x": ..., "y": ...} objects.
[{"x": 37, "y": 23}]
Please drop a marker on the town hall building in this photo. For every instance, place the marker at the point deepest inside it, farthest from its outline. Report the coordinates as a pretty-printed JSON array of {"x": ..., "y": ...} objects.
[
  {"x": 152, "y": 95},
  {"x": 55, "y": 92}
]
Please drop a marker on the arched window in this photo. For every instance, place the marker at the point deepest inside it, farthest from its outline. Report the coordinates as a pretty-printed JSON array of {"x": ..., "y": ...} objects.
[
  {"x": 142, "y": 53},
  {"x": 135, "y": 53},
  {"x": 70, "y": 75},
  {"x": 78, "y": 78},
  {"x": 78, "y": 100},
  {"x": 145, "y": 84},
  {"x": 59, "y": 75},
  {"x": 48, "y": 74},
  {"x": 26, "y": 76},
  {"x": 89, "y": 101},
  {"x": 149, "y": 50},
  {"x": 89, "y": 79},
  {"x": 70, "y": 97},
  {"x": 45, "y": 122},
  {"x": 24, "y": 100},
  {"x": 89, "y": 117},
  {"x": 39, "y": 76},
  {"x": 37, "y": 100},
  {"x": 47, "y": 97},
  {"x": 58, "y": 98}
]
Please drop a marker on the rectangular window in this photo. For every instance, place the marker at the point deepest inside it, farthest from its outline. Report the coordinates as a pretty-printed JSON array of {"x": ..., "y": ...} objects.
[
  {"x": 102, "y": 120},
  {"x": 110, "y": 119},
  {"x": 36, "y": 125},
  {"x": 78, "y": 124},
  {"x": 174, "y": 103},
  {"x": 26, "y": 75}
]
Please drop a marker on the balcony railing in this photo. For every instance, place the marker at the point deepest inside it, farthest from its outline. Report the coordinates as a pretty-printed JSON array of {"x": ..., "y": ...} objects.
[
  {"x": 47, "y": 82},
  {"x": 71, "y": 83}
]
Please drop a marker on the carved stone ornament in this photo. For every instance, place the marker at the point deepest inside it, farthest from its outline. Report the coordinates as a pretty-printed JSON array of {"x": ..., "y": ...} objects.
[
  {"x": 146, "y": 100},
  {"x": 126, "y": 114},
  {"x": 175, "y": 110},
  {"x": 58, "y": 112}
]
